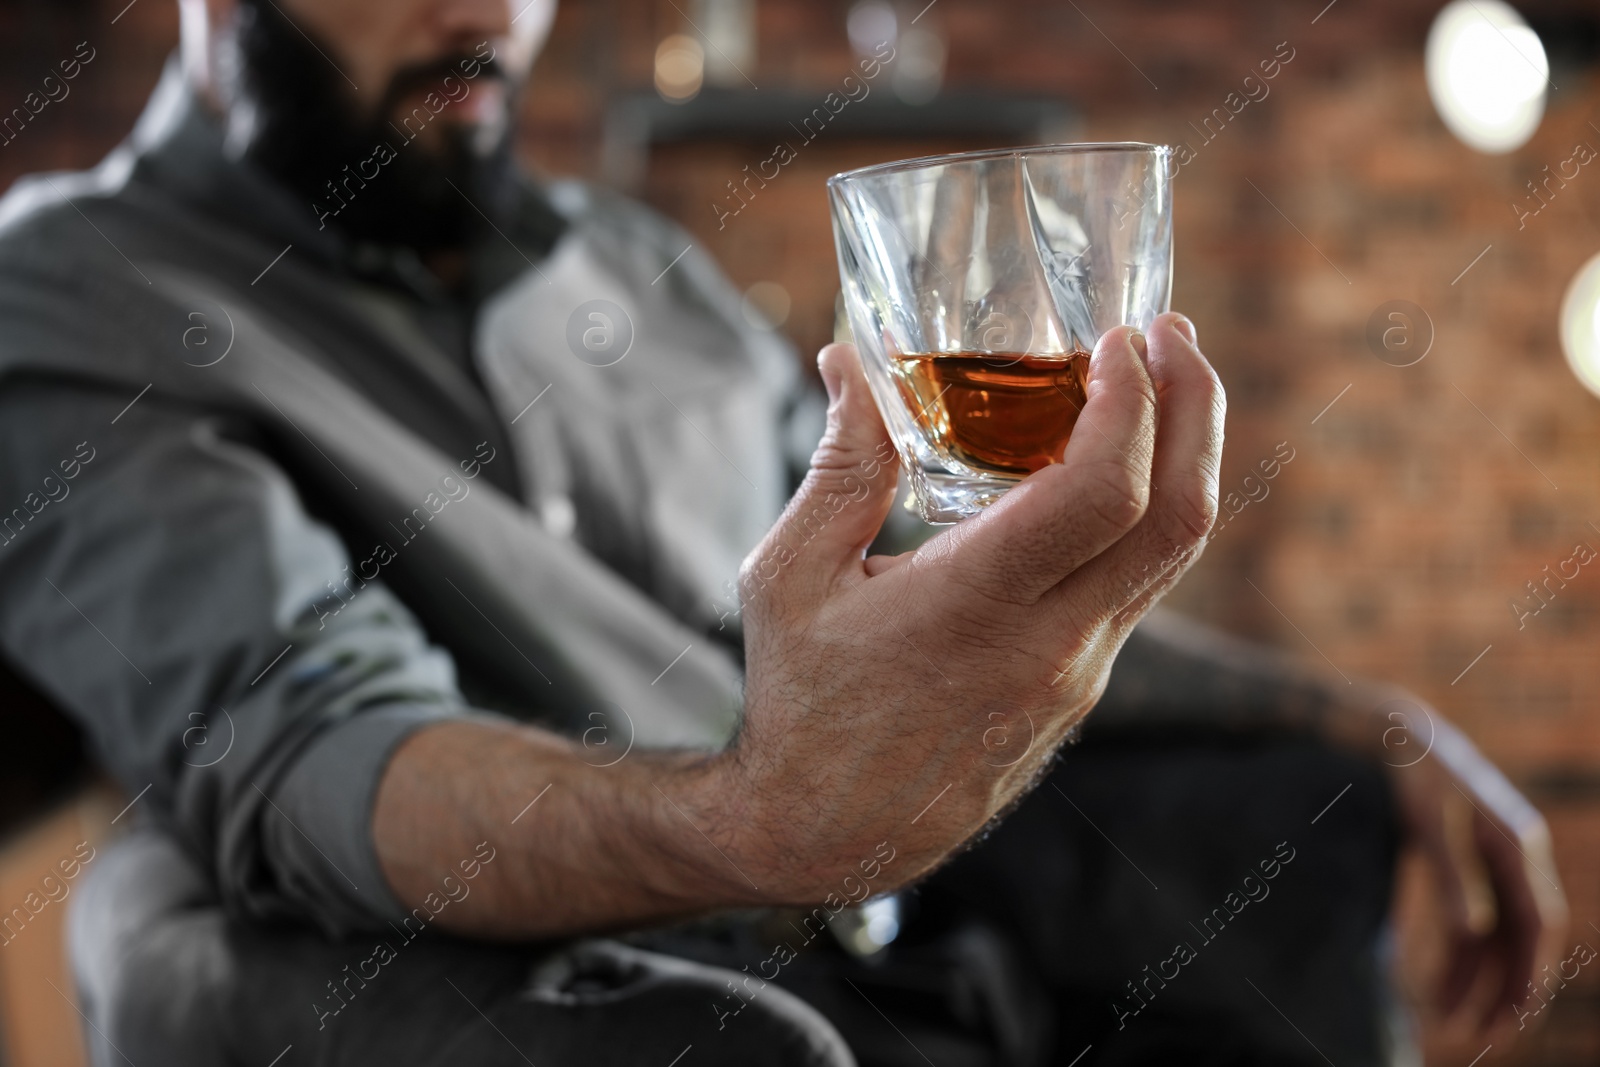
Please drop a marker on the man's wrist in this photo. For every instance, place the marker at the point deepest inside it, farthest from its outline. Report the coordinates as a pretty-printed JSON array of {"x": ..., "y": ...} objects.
[
  {"x": 700, "y": 855},
  {"x": 738, "y": 843}
]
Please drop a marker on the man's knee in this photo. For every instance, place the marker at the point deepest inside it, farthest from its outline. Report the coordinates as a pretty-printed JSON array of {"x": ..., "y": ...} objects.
[
  {"x": 148, "y": 956},
  {"x": 634, "y": 1004},
  {"x": 165, "y": 977}
]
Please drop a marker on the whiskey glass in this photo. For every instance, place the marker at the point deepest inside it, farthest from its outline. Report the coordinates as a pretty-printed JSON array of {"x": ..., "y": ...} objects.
[{"x": 977, "y": 285}]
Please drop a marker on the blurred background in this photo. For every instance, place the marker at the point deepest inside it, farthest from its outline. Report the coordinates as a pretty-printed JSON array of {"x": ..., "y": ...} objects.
[{"x": 1379, "y": 245}]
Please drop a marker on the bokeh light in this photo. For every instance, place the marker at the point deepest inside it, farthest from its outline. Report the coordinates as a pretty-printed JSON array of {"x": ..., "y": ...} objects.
[
  {"x": 680, "y": 67},
  {"x": 1580, "y": 325},
  {"x": 767, "y": 305},
  {"x": 1487, "y": 74},
  {"x": 870, "y": 24}
]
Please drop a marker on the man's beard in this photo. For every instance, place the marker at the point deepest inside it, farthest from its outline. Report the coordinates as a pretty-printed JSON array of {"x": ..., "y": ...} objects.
[{"x": 306, "y": 132}]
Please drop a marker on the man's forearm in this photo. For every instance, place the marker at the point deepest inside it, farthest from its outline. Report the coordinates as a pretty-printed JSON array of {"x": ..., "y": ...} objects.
[
  {"x": 1174, "y": 673},
  {"x": 580, "y": 848},
  {"x": 577, "y": 848}
]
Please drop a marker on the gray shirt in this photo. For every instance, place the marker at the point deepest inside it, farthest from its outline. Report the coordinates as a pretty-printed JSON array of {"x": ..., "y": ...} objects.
[{"x": 269, "y": 502}]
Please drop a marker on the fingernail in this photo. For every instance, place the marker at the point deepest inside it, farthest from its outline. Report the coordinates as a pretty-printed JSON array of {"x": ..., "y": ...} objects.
[
  {"x": 1186, "y": 327},
  {"x": 1136, "y": 339}
]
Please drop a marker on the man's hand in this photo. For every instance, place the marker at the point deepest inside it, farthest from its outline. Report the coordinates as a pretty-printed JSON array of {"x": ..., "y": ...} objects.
[
  {"x": 1490, "y": 854},
  {"x": 874, "y": 684},
  {"x": 874, "y": 687},
  {"x": 1487, "y": 847}
]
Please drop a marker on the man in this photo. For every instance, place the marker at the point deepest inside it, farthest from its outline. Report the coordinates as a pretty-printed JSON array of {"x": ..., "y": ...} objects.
[{"x": 404, "y": 618}]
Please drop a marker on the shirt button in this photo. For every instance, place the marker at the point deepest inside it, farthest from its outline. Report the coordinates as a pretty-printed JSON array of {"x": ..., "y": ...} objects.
[{"x": 558, "y": 514}]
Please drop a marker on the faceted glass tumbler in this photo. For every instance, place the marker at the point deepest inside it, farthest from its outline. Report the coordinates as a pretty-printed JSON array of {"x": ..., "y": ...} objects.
[{"x": 977, "y": 286}]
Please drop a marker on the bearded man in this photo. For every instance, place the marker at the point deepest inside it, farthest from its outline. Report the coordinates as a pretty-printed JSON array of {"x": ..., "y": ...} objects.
[{"x": 403, "y": 619}]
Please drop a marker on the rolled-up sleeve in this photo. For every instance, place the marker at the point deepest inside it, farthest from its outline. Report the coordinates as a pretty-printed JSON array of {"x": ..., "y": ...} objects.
[{"x": 162, "y": 582}]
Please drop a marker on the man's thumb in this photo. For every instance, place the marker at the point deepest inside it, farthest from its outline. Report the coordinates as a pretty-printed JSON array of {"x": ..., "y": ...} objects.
[{"x": 846, "y": 495}]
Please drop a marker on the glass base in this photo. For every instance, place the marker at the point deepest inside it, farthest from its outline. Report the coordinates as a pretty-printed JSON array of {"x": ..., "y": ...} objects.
[{"x": 942, "y": 498}]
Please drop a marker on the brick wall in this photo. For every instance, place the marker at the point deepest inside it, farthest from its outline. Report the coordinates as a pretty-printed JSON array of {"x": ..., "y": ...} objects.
[{"x": 1418, "y": 504}]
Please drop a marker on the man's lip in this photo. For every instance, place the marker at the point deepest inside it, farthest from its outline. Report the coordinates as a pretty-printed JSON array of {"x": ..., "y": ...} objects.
[{"x": 484, "y": 100}]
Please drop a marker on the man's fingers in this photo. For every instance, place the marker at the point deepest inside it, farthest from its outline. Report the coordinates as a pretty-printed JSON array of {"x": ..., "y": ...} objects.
[
  {"x": 1465, "y": 943},
  {"x": 1183, "y": 499},
  {"x": 1520, "y": 922},
  {"x": 1062, "y": 516},
  {"x": 876, "y": 565},
  {"x": 1464, "y": 957},
  {"x": 846, "y": 495}
]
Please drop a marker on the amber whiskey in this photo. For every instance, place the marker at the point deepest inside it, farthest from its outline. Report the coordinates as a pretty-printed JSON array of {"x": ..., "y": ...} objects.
[{"x": 1008, "y": 413}]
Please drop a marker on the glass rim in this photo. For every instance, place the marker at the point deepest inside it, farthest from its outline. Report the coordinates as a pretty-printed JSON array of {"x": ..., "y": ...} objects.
[{"x": 923, "y": 162}]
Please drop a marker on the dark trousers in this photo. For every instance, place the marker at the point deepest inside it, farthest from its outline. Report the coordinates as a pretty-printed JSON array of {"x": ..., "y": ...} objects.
[{"x": 1146, "y": 900}]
